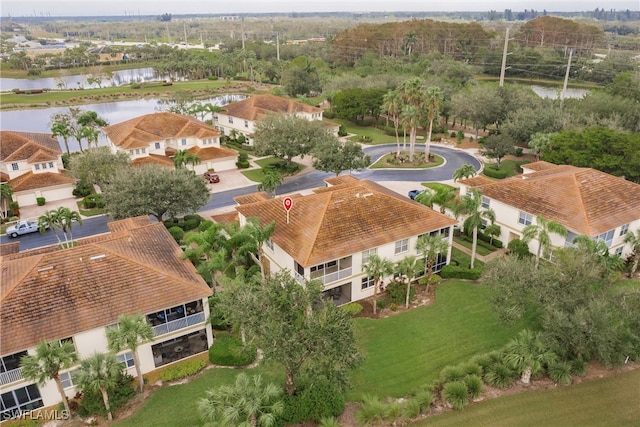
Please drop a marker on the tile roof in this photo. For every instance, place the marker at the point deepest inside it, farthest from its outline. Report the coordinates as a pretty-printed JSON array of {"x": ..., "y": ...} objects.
[
  {"x": 34, "y": 181},
  {"x": 213, "y": 153},
  {"x": 226, "y": 217},
  {"x": 343, "y": 220},
  {"x": 16, "y": 146},
  {"x": 155, "y": 159},
  {"x": 258, "y": 106},
  {"x": 584, "y": 200},
  {"x": 251, "y": 198},
  {"x": 141, "y": 131},
  {"x": 50, "y": 293},
  {"x": 539, "y": 165}
]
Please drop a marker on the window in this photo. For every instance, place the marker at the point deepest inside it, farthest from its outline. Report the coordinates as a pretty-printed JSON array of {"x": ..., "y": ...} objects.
[
  {"x": 619, "y": 251},
  {"x": 269, "y": 244},
  {"x": 606, "y": 237},
  {"x": 485, "y": 202},
  {"x": 14, "y": 166},
  {"x": 367, "y": 282},
  {"x": 126, "y": 359},
  {"x": 624, "y": 229},
  {"x": 131, "y": 152},
  {"x": 246, "y": 123},
  {"x": 157, "y": 145},
  {"x": 137, "y": 151},
  {"x": 184, "y": 141},
  {"x": 50, "y": 165},
  {"x": 11, "y": 362},
  {"x": 37, "y": 165},
  {"x": 23, "y": 399},
  {"x": 366, "y": 254},
  {"x": 569, "y": 240},
  {"x": 402, "y": 246},
  {"x": 525, "y": 218},
  {"x": 231, "y": 120},
  {"x": 70, "y": 339},
  {"x": 66, "y": 378},
  {"x": 143, "y": 150}
]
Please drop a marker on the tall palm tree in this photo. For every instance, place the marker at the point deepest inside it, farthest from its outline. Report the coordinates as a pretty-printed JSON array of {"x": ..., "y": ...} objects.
[
  {"x": 130, "y": 332},
  {"x": 430, "y": 245},
  {"x": 100, "y": 373},
  {"x": 443, "y": 197},
  {"x": 259, "y": 235},
  {"x": 633, "y": 240},
  {"x": 411, "y": 101},
  {"x": 272, "y": 178},
  {"x": 390, "y": 104},
  {"x": 464, "y": 171},
  {"x": 61, "y": 128},
  {"x": 410, "y": 266},
  {"x": 433, "y": 104},
  {"x": 599, "y": 248},
  {"x": 471, "y": 205},
  {"x": 6, "y": 196},
  {"x": 247, "y": 402},
  {"x": 50, "y": 219},
  {"x": 67, "y": 217},
  {"x": 49, "y": 360},
  {"x": 527, "y": 354},
  {"x": 540, "y": 231},
  {"x": 378, "y": 268}
]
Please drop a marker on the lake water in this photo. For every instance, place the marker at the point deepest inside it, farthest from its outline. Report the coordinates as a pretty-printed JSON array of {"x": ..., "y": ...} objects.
[
  {"x": 554, "y": 93},
  {"x": 38, "y": 120}
]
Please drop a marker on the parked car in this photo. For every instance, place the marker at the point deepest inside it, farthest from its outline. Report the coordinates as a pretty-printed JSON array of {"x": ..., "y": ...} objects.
[
  {"x": 211, "y": 177},
  {"x": 23, "y": 227},
  {"x": 414, "y": 193}
]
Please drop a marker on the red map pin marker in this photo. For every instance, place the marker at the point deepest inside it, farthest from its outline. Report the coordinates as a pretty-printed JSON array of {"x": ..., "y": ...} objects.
[{"x": 287, "y": 203}]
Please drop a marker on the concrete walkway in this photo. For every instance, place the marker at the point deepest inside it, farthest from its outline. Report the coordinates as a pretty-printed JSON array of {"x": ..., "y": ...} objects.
[{"x": 485, "y": 258}]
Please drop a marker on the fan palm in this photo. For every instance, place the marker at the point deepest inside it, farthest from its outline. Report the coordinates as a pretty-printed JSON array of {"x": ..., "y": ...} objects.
[
  {"x": 527, "y": 354},
  {"x": 130, "y": 332},
  {"x": 540, "y": 231},
  {"x": 464, "y": 171},
  {"x": 471, "y": 205},
  {"x": 410, "y": 266},
  {"x": 430, "y": 245},
  {"x": 100, "y": 373},
  {"x": 378, "y": 268},
  {"x": 49, "y": 359}
]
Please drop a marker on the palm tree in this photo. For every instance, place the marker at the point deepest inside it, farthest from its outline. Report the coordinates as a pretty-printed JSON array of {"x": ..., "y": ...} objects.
[
  {"x": 6, "y": 196},
  {"x": 61, "y": 128},
  {"x": 430, "y": 245},
  {"x": 50, "y": 220},
  {"x": 527, "y": 354},
  {"x": 49, "y": 360},
  {"x": 464, "y": 171},
  {"x": 600, "y": 249},
  {"x": 410, "y": 102},
  {"x": 248, "y": 402},
  {"x": 100, "y": 373},
  {"x": 492, "y": 230},
  {"x": 443, "y": 197},
  {"x": 378, "y": 268},
  {"x": 66, "y": 217},
  {"x": 130, "y": 332},
  {"x": 633, "y": 240},
  {"x": 259, "y": 235},
  {"x": 390, "y": 105},
  {"x": 90, "y": 124},
  {"x": 471, "y": 205},
  {"x": 272, "y": 178},
  {"x": 410, "y": 266},
  {"x": 433, "y": 104},
  {"x": 212, "y": 109},
  {"x": 540, "y": 231}
]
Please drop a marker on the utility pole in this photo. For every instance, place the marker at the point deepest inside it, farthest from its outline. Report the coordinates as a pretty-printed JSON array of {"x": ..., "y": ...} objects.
[
  {"x": 566, "y": 77},
  {"x": 184, "y": 28},
  {"x": 278, "y": 45},
  {"x": 504, "y": 57}
]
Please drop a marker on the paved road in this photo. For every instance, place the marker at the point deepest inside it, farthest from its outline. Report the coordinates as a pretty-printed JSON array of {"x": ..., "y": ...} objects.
[{"x": 453, "y": 160}]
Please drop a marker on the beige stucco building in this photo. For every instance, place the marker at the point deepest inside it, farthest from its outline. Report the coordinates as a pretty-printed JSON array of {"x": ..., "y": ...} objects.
[{"x": 75, "y": 294}]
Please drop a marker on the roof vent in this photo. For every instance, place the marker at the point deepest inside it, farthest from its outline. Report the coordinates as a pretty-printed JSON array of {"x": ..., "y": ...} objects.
[
  {"x": 95, "y": 257},
  {"x": 364, "y": 196},
  {"x": 47, "y": 268}
]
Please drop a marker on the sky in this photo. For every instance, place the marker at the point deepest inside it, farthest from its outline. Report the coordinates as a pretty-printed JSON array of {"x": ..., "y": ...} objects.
[{"x": 180, "y": 7}]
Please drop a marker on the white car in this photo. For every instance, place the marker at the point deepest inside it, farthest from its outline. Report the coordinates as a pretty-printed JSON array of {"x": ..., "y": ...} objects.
[{"x": 23, "y": 227}]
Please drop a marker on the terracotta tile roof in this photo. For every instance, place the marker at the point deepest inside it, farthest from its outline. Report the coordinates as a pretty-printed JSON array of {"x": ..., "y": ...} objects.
[
  {"x": 226, "y": 218},
  {"x": 10, "y": 248},
  {"x": 50, "y": 293},
  {"x": 16, "y": 146},
  {"x": 584, "y": 200},
  {"x": 251, "y": 198},
  {"x": 42, "y": 156},
  {"x": 539, "y": 165},
  {"x": 33, "y": 181},
  {"x": 213, "y": 153},
  {"x": 349, "y": 219},
  {"x": 258, "y": 106},
  {"x": 476, "y": 181},
  {"x": 341, "y": 179},
  {"x": 141, "y": 131},
  {"x": 155, "y": 159},
  {"x": 4, "y": 177}
]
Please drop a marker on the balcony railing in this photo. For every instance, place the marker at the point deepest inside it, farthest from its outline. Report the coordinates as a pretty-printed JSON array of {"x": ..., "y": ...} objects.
[
  {"x": 177, "y": 324},
  {"x": 299, "y": 277},
  {"x": 336, "y": 275},
  {"x": 11, "y": 376}
]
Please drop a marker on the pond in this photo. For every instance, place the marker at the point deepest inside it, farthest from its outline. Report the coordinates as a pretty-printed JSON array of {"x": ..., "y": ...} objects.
[
  {"x": 554, "y": 92},
  {"x": 38, "y": 120}
]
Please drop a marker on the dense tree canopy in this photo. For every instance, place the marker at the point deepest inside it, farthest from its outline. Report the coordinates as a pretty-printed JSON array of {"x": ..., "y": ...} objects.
[
  {"x": 96, "y": 166},
  {"x": 356, "y": 103},
  {"x": 334, "y": 156},
  {"x": 154, "y": 190}
]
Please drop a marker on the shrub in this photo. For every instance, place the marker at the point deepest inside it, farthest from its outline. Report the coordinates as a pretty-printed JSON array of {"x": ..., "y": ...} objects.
[
  {"x": 342, "y": 131},
  {"x": 499, "y": 375},
  {"x": 93, "y": 201},
  {"x": 471, "y": 368},
  {"x": 243, "y": 165},
  {"x": 482, "y": 360},
  {"x": 177, "y": 233},
  {"x": 313, "y": 401},
  {"x": 456, "y": 394},
  {"x": 518, "y": 151},
  {"x": 397, "y": 292},
  {"x": 578, "y": 367},
  {"x": 411, "y": 408},
  {"x": 227, "y": 350},
  {"x": 243, "y": 160},
  {"x": 452, "y": 373},
  {"x": 373, "y": 410},
  {"x": 190, "y": 224},
  {"x": 518, "y": 248},
  {"x": 560, "y": 372},
  {"x": 474, "y": 385},
  {"x": 183, "y": 370},
  {"x": 194, "y": 217},
  {"x": 352, "y": 309},
  {"x": 40, "y": 201},
  {"x": 425, "y": 398},
  {"x": 329, "y": 422},
  {"x": 495, "y": 173},
  {"x": 216, "y": 317},
  {"x": 92, "y": 403},
  {"x": 455, "y": 272}
]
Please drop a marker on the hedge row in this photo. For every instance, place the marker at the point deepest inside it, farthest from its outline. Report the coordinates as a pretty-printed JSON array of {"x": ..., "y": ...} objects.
[
  {"x": 456, "y": 272},
  {"x": 183, "y": 370},
  {"x": 495, "y": 173}
]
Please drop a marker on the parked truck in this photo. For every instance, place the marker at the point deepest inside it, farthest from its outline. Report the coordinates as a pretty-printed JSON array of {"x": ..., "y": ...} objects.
[{"x": 23, "y": 227}]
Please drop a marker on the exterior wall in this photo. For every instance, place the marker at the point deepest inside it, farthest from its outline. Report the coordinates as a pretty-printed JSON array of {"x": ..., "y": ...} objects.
[
  {"x": 23, "y": 167},
  {"x": 50, "y": 194},
  {"x": 224, "y": 164}
]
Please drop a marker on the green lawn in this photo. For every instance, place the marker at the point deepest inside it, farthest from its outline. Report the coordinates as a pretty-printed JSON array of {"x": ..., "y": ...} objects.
[
  {"x": 511, "y": 166},
  {"x": 377, "y": 135},
  {"x": 612, "y": 401},
  {"x": 257, "y": 175},
  {"x": 406, "y": 351},
  {"x": 480, "y": 250},
  {"x": 435, "y": 186},
  {"x": 463, "y": 259},
  {"x": 383, "y": 164}
]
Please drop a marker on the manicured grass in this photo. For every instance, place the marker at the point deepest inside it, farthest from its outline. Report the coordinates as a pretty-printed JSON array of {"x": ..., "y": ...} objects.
[
  {"x": 89, "y": 212},
  {"x": 383, "y": 164},
  {"x": 257, "y": 175},
  {"x": 480, "y": 250},
  {"x": 377, "y": 135},
  {"x": 511, "y": 166},
  {"x": 463, "y": 259},
  {"x": 177, "y": 405},
  {"x": 612, "y": 401},
  {"x": 406, "y": 351}
]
